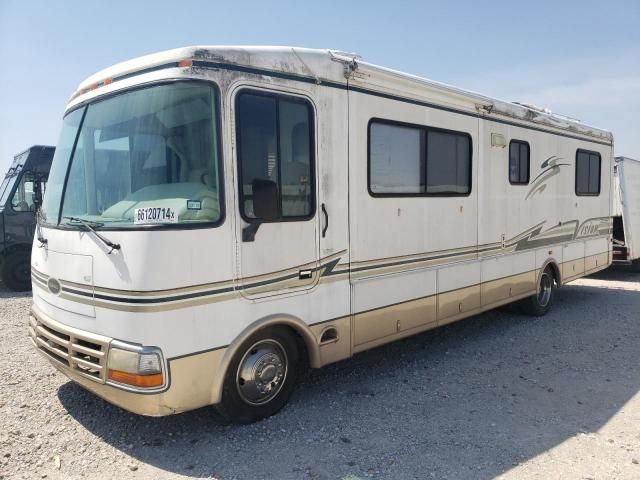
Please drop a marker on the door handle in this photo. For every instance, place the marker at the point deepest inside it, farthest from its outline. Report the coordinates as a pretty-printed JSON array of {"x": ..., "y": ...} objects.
[
  {"x": 305, "y": 274},
  {"x": 326, "y": 220}
]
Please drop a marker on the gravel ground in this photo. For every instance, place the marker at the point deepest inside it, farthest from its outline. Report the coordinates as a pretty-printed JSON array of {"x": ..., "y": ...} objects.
[{"x": 498, "y": 395}]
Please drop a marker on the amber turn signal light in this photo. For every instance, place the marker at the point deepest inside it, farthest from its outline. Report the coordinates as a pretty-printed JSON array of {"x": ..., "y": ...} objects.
[{"x": 144, "y": 381}]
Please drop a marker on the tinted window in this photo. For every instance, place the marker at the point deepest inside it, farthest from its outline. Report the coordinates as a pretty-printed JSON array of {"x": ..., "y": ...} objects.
[
  {"x": 448, "y": 163},
  {"x": 275, "y": 144},
  {"x": 416, "y": 160},
  {"x": 23, "y": 197},
  {"x": 587, "y": 173},
  {"x": 396, "y": 159},
  {"x": 519, "y": 162}
]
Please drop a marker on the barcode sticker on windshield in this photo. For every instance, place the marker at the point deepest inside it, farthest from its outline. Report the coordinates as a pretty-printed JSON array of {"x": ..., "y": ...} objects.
[{"x": 150, "y": 215}]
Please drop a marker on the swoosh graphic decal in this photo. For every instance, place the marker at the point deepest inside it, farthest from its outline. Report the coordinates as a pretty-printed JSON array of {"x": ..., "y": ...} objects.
[{"x": 550, "y": 168}]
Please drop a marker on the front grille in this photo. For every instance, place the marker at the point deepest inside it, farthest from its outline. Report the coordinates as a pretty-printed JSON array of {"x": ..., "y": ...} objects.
[{"x": 83, "y": 353}]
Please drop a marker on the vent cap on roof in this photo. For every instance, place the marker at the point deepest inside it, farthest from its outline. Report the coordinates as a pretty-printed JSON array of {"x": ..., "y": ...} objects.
[
  {"x": 547, "y": 111},
  {"x": 340, "y": 53},
  {"x": 535, "y": 107}
]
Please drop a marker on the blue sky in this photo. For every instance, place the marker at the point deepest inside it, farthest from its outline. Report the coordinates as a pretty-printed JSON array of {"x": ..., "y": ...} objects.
[{"x": 578, "y": 58}]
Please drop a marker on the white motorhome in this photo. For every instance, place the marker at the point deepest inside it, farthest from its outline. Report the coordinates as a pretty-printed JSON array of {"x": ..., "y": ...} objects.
[
  {"x": 626, "y": 211},
  {"x": 219, "y": 217}
]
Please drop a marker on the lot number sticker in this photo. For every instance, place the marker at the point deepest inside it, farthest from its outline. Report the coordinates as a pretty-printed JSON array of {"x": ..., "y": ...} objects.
[{"x": 150, "y": 215}]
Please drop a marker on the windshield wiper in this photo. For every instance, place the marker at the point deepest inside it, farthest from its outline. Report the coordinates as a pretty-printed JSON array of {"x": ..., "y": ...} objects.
[{"x": 90, "y": 226}]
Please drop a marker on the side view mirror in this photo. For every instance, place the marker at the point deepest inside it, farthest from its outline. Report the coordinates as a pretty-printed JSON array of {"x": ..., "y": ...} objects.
[
  {"x": 265, "y": 207},
  {"x": 265, "y": 200}
]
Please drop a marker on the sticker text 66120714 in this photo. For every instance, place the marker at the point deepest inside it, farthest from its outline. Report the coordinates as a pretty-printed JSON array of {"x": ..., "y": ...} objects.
[{"x": 150, "y": 215}]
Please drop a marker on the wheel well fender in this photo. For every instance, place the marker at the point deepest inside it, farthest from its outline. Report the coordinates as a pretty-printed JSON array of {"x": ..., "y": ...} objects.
[
  {"x": 555, "y": 269},
  {"x": 299, "y": 329}
]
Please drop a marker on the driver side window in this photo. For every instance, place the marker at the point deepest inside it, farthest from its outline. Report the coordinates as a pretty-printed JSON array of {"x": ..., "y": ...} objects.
[{"x": 275, "y": 146}]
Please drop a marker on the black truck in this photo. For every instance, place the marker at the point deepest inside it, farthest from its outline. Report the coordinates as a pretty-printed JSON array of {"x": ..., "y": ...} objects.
[{"x": 20, "y": 195}]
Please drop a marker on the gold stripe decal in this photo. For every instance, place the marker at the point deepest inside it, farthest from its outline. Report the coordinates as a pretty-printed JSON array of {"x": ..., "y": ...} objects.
[
  {"x": 330, "y": 269},
  {"x": 187, "y": 296}
]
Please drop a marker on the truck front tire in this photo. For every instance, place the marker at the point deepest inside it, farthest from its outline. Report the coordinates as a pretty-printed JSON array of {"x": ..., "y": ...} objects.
[
  {"x": 261, "y": 376},
  {"x": 16, "y": 271}
]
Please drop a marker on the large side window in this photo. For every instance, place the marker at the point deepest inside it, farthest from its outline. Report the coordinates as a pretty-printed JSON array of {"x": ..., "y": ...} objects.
[
  {"x": 412, "y": 160},
  {"x": 587, "y": 173},
  {"x": 275, "y": 144},
  {"x": 519, "y": 162}
]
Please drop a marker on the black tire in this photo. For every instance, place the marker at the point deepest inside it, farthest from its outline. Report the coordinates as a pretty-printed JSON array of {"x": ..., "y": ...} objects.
[
  {"x": 16, "y": 271},
  {"x": 540, "y": 303},
  {"x": 243, "y": 401},
  {"x": 635, "y": 266}
]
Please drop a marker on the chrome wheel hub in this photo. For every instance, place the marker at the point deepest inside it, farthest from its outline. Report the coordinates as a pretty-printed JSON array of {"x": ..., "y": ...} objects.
[
  {"x": 261, "y": 372},
  {"x": 544, "y": 289}
]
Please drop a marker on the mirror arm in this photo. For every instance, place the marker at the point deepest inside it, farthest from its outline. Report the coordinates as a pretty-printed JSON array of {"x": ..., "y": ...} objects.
[{"x": 249, "y": 232}]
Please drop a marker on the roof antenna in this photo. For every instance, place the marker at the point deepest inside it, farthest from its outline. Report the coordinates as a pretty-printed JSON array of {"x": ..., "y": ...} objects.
[{"x": 349, "y": 60}]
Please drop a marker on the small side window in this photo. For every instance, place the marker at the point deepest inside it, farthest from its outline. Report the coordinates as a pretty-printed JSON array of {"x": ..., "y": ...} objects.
[
  {"x": 519, "y": 162},
  {"x": 587, "y": 173}
]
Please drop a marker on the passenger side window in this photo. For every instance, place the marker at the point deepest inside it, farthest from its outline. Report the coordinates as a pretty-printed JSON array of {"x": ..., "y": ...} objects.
[
  {"x": 23, "y": 197},
  {"x": 396, "y": 155},
  {"x": 410, "y": 160},
  {"x": 587, "y": 173},
  {"x": 518, "y": 162},
  {"x": 275, "y": 144},
  {"x": 448, "y": 163}
]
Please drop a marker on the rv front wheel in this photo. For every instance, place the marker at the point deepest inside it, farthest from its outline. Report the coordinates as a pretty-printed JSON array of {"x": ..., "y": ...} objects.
[
  {"x": 540, "y": 303},
  {"x": 260, "y": 377}
]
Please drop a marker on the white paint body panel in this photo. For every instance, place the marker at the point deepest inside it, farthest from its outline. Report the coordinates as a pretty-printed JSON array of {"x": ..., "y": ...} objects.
[{"x": 383, "y": 290}]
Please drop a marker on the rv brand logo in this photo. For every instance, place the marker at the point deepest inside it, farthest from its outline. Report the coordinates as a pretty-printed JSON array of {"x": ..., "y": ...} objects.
[
  {"x": 54, "y": 286},
  {"x": 588, "y": 230}
]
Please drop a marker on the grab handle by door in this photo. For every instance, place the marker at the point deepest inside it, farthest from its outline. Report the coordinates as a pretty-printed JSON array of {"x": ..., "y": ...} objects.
[{"x": 326, "y": 220}]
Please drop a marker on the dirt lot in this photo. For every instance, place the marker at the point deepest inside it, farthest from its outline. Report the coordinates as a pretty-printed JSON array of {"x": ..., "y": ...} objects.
[{"x": 498, "y": 395}]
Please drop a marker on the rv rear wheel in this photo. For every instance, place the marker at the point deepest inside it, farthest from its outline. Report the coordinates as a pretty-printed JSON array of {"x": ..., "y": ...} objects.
[
  {"x": 540, "y": 303},
  {"x": 260, "y": 377},
  {"x": 16, "y": 270}
]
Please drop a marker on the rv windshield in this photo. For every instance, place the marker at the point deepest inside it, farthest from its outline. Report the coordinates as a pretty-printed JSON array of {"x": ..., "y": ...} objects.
[
  {"x": 145, "y": 157},
  {"x": 5, "y": 188}
]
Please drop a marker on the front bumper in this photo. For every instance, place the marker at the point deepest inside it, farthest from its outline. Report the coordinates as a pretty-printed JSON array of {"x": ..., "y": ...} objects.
[{"x": 82, "y": 356}]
